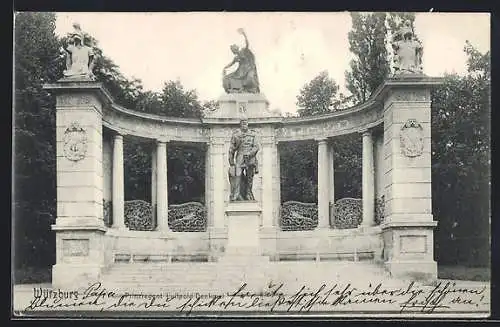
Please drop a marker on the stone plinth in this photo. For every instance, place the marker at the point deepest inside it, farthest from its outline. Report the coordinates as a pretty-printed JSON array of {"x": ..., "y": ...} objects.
[
  {"x": 80, "y": 253},
  {"x": 249, "y": 105},
  {"x": 243, "y": 224}
]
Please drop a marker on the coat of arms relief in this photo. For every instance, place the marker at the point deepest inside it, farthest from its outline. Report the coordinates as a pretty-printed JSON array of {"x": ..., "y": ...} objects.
[
  {"x": 75, "y": 142},
  {"x": 412, "y": 138}
]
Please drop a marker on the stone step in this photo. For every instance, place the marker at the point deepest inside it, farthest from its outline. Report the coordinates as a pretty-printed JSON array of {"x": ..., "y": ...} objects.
[{"x": 283, "y": 270}]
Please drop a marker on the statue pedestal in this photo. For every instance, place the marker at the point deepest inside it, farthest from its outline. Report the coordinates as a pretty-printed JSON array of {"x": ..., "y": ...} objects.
[
  {"x": 243, "y": 224},
  {"x": 238, "y": 105}
]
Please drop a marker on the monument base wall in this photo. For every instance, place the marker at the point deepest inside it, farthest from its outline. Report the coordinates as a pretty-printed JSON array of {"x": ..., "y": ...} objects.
[{"x": 212, "y": 245}]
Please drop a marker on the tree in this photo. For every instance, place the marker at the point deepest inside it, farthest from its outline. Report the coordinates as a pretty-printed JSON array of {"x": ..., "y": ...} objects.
[
  {"x": 370, "y": 66},
  {"x": 209, "y": 106},
  {"x": 36, "y": 63},
  {"x": 178, "y": 102},
  {"x": 319, "y": 96},
  {"x": 187, "y": 173},
  {"x": 395, "y": 20},
  {"x": 461, "y": 162},
  {"x": 299, "y": 171}
]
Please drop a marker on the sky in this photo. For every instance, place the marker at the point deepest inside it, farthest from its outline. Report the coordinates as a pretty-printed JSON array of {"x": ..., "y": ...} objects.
[{"x": 290, "y": 48}]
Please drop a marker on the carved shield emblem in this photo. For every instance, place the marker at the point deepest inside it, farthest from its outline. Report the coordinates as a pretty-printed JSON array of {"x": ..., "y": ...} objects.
[
  {"x": 242, "y": 107},
  {"x": 75, "y": 142},
  {"x": 412, "y": 138}
]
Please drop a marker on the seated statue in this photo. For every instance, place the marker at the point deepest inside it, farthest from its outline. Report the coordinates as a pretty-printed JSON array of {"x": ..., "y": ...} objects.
[
  {"x": 407, "y": 51},
  {"x": 79, "y": 57},
  {"x": 244, "y": 79}
]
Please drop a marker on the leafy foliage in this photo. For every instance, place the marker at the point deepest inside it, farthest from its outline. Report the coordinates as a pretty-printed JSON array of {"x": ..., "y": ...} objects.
[
  {"x": 370, "y": 66},
  {"x": 186, "y": 173},
  {"x": 395, "y": 20},
  {"x": 319, "y": 96},
  {"x": 299, "y": 171},
  {"x": 461, "y": 162},
  {"x": 178, "y": 102},
  {"x": 36, "y": 53}
]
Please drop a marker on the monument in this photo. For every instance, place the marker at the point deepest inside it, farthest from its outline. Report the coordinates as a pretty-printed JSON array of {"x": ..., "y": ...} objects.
[
  {"x": 243, "y": 164},
  {"x": 243, "y": 218},
  {"x": 244, "y": 212},
  {"x": 244, "y": 79},
  {"x": 243, "y": 97},
  {"x": 79, "y": 57},
  {"x": 407, "y": 51}
]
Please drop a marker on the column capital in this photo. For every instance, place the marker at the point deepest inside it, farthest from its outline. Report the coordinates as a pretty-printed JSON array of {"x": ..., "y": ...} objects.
[
  {"x": 321, "y": 140},
  {"x": 162, "y": 141},
  {"x": 268, "y": 141},
  {"x": 115, "y": 131},
  {"x": 118, "y": 136},
  {"x": 366, "y": 132}
]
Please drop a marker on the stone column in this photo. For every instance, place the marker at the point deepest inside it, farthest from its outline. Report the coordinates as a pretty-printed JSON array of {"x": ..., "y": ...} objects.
[
  {"x": 277, "y": 187},
  {"x": 154, "y": 185},
  {"x": 79, "y": 227},
  {"x": 323, "y": 184},
  {"x": 107, "y": 167},
  {"x": 368, "y": 180},
  {"x": 162, "y": 186},
  {"x": 118, "y": 184},
  {"x": 331, "y": 182},
  {"x": 269, "y": 162},
  {"x": 219, "y": 176},
  {"x": 217, "y": 170},
  {"x": 208, "y": 187}
]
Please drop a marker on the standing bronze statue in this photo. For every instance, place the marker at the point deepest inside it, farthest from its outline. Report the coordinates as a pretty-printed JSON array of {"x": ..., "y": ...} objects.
[
  {"x": 243, "y": 163},
  {"x": 244, "y": 79}
]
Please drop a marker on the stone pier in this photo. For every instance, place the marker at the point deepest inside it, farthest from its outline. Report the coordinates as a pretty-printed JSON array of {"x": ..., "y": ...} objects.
[{"x": 409, "y": 223}]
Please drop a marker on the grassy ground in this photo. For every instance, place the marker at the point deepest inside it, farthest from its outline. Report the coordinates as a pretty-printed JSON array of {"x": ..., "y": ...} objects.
[
  {"x": 32, "y": 275},
  {"x": 464, "y": 273}
]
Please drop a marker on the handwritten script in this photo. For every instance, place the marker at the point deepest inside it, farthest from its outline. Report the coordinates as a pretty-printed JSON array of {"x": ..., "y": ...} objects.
[{"x": 442, "y": 297}]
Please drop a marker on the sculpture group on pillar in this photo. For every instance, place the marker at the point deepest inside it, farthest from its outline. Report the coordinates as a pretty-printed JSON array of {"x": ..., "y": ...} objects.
[
  {"x": 407, "y": 51},
  {"x": 244, "y": 79},
  {"x": 80, "y": 58},
  {"x": 243, "y": 163}
]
